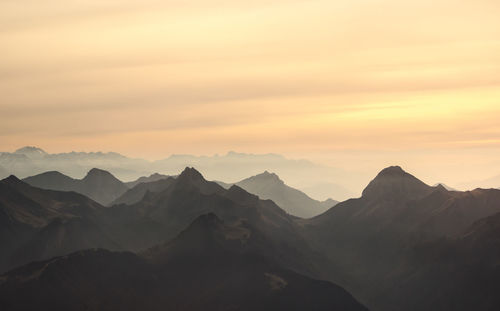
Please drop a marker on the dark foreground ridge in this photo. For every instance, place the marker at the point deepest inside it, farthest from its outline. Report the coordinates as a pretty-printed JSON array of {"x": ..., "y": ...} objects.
[{"x": 206, "y": 267}]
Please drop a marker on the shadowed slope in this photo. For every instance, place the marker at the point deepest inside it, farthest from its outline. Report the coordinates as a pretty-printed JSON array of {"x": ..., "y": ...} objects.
[
  {"x": 37, "y": 223},
  {"x": 136, "y": 193},
  {"x": 204, "y": 268},
  {"x": 146, "y": 179},
  {"x": 372, "y": 241},
  {"x": 162, "y": 215}
]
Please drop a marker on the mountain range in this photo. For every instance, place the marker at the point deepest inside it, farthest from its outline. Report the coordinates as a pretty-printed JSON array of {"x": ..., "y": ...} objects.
[
  {"x": 321, "y": 181},
  {"x": 99, "y": 185},
  {"x": 38, "y": 224},
  {"x": 377, "y": 241},
  {"x": 403, "y": 245},
  {"x": 106, "y": 189}
]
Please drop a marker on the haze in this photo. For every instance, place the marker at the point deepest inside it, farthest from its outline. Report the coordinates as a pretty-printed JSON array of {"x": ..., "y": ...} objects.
[{"x": 356, "y": 84}]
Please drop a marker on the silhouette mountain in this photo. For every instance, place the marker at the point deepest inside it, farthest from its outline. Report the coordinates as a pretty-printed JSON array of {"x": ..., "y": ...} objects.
[
  {"x": 137, "y": 193},
  {"x": 38, "y": 224},
  {"x": 160, "y": 216},
  {"x": 269, "y": 186},
  {"x": 204, "y": 268},
  {"x": 373, "y": 241},
  {"x": 98, "y": 185},
  {"x": 403, "y": 245},
  {"x": 445, "y": 186},
  {"x": 146, "y": 179},
  {"x": 394, "y": 183}
]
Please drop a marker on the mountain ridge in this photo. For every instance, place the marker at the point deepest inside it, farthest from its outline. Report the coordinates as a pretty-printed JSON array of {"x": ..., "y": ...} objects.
[{"x": 98, "y": 184}]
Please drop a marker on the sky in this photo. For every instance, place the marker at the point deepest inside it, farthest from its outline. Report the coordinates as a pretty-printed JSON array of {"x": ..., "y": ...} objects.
[{"x": 358, "y": 84}]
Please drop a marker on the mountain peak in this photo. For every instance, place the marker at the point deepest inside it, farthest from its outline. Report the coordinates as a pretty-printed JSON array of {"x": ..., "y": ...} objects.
[
  {"x": 12, "y": 179},
  {"x": 266, "y": 175},
  {"x": 96, "y": 172},
  {"x": 441, "y": 187},
  {"x": 395, "y": 170},
  {"x": 191, "y": 174},
  {"x": 393, "y": 182},
  {"x": 31, "y": 151}
]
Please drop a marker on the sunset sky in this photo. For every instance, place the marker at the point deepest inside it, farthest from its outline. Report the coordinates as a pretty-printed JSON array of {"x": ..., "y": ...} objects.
[{"x": 359, "y": 83}]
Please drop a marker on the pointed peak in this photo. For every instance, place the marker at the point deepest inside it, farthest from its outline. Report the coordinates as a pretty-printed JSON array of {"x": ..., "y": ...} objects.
[
  {"x": 443, "y": 186},
  {"x": 268, "y": 176},
  {"x": 267, "y": 173},
  {"x": 12, "y": 179},
  {"x": 394, "y": 181},
  {"x": 440, "y": 187},
  {"x": 190, "y": 173}
]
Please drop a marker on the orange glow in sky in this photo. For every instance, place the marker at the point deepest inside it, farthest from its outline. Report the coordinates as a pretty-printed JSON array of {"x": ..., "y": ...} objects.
[{"x": 314, "y": 78}]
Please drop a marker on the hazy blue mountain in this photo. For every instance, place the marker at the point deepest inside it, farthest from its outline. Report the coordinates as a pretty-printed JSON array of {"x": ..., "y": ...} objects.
[
  {"x": 28, "y": 161},
  {"x": 224, "y": 267},
  {"x": 18, "y": 164},
  {"x": 31, "y": 152},
  {"x": 230, "y": 167},
  {"x": 146, "y": 179},
  {"x": 269, "y": 186},
  {"x": 98, "y": 184},
  {"x": 141, "y": 189},
  {"x": 3, "y": 173},
  {"x": 300, "y": 174},
  {"x": 323, "y": 190},
  {"x": 488, "y": 183}
]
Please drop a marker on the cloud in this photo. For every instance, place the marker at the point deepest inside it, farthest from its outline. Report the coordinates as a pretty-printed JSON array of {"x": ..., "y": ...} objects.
[{"x": 286, "y": 75}]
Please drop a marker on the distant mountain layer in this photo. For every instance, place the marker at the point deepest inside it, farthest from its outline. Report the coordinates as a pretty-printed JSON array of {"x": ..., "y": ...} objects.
[
  {"x": 265, "y": 185},
  {"x": 492, "y": 182},
  {"x": 144, "y": 179},
  {"x": 142, "y": 189},
  {"x": 319, "y": 180},
  {"x": 98, "y": 185},
  {"x": 270, "y": 186},
  {"x": 209, "y": 266},
  {"x": 3, "y": 173}
]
